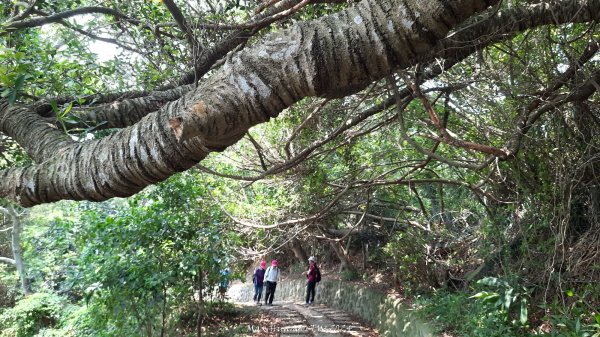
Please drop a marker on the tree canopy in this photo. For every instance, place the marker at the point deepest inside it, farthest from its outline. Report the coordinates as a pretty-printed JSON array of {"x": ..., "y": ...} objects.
[
  {"x": 438, "y": 140},
  {"x": 200, "y": 84}
]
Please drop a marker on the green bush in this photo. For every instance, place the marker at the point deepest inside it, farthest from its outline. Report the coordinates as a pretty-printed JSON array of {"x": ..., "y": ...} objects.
[
  {"x": 578, "y": 318},
  {"x": 505, "y": 300},
  {"x": 32, "y": 314},
  {"x": 500, "y": 309},
  {"x": 9, "y": 286},
  {"x": 297, "y": 268},
  {"x": 350, "y": 275},
  {"x": 409, "y": 261},
  {"x": 465, "y": 316}
]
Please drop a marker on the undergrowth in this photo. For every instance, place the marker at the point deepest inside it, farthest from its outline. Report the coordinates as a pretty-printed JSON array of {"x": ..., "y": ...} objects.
[{"x": 494, "y": 308}]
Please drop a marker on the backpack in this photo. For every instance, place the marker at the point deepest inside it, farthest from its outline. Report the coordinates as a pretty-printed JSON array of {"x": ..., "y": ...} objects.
[{"x": 318, "y": 276}]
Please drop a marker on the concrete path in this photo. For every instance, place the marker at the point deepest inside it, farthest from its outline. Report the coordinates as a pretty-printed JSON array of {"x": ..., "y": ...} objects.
[{"x": 298, "y": 320}]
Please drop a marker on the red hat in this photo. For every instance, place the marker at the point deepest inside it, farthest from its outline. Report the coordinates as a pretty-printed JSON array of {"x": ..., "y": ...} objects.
[
  {"x": 263, "y": 263},
  {"x": 274, "y": 262}
]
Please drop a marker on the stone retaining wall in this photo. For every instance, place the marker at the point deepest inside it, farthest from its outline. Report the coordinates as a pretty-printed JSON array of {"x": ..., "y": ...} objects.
[{"x": 387, "y": 314}]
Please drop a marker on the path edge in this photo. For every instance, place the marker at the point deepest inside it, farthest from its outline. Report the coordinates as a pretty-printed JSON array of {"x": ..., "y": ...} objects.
[{"x": 388, "y": 315}]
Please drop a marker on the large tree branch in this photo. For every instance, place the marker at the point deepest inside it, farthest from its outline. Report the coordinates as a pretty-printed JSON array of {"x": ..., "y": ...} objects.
[
  {"x": 504, "y": 24},
  {"x": 126, "y": 112},
  {"x": 208, "y": 57},
  {"x": 330, "y": 57},
  {"x": 490, "y": 29},
  {"x": 205, "y": 60},
  {"x": 39, "y": 138},
  {"x": 308, "y": 51}
]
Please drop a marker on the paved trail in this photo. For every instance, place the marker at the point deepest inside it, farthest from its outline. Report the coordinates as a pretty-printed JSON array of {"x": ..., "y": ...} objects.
[{"x": 297, "y": 320}]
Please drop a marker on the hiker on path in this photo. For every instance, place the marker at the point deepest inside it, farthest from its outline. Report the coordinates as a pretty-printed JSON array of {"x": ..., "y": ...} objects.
[
  {"x": 224, "y": 283},
  {"x": 272, "y": 275},
  {"x": 257, "y": 279},
  {"x": 313, "y": 275}
]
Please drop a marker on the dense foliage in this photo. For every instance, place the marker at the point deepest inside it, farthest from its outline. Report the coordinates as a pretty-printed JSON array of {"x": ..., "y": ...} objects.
[{"x": 403, "y": 179}]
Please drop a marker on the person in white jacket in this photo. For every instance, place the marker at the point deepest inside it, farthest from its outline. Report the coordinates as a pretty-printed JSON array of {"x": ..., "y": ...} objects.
[{"x": 272, "y": 275}]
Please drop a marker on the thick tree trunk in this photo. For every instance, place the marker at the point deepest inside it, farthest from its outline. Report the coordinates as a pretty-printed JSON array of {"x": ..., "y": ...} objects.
[
  {"x": 298, "y": 250},
  {"x": 330, "y": 57},
  {"x": 345, "y": 264}
]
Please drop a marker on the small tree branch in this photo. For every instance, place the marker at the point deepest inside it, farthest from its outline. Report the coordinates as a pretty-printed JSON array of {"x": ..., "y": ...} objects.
[
  {"x": 305, "y": 122},
  {"x": 55, "y": 18},
  {"x": 26, "y": 13},
  {"x": 182, "y": 24},
  {"x": 259, "y": 151},
  {"x": 99, "y": 38},
  {"x": 7, "y": 261},
  {"x": 446, "y": 136}
]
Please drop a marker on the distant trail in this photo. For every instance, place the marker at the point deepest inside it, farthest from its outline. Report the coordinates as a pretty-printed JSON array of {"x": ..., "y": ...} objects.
[{"x": 317, "y": 320}]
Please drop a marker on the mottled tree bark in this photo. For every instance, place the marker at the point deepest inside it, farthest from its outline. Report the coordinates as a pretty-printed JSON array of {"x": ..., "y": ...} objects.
[
  {"x": 298, "y": 250},
  {"x": 345, "y": 264},
  {"x": 126, "y": 112}
]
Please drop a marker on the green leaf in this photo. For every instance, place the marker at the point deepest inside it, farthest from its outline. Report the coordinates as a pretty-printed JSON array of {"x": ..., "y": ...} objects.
[
  {"x": 69, "y": 107},
  {"x": 570, "y": 293},
  {"x": 12, "y": 97},
  {"x": 54, "y": 107},
  {"x": 66, "y": 111},
  {"x": 72, "y": 120},
  {"x": 20, "y": 81},
  {"x": 508, "y": 298},
  {"x": 481, "y": 294},
  {"x": 486, "y": 297},
  {"x": 492, "y": 282},
  {"x": 523, "y": 314}
]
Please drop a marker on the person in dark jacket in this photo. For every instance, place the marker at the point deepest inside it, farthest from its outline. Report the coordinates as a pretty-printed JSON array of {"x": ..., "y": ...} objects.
[
  {"x": 311, "y": 280},
  {"x": 257, "y": 279}
]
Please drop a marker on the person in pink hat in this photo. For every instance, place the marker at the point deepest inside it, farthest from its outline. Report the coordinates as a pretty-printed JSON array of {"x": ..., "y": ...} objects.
[
  {"x": 257, "y": 279},
  {"x": 272, "y": 275}
]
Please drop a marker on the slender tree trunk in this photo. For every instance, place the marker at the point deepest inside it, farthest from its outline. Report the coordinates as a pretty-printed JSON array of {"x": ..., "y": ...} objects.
[
  {"x": 17, "y": 249},
  {"x": 164, "y": 306},
  {"x": 365, "y": 255},
  {"x": 18, "y": 254},
  {"x": 200, "y": 305}
]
